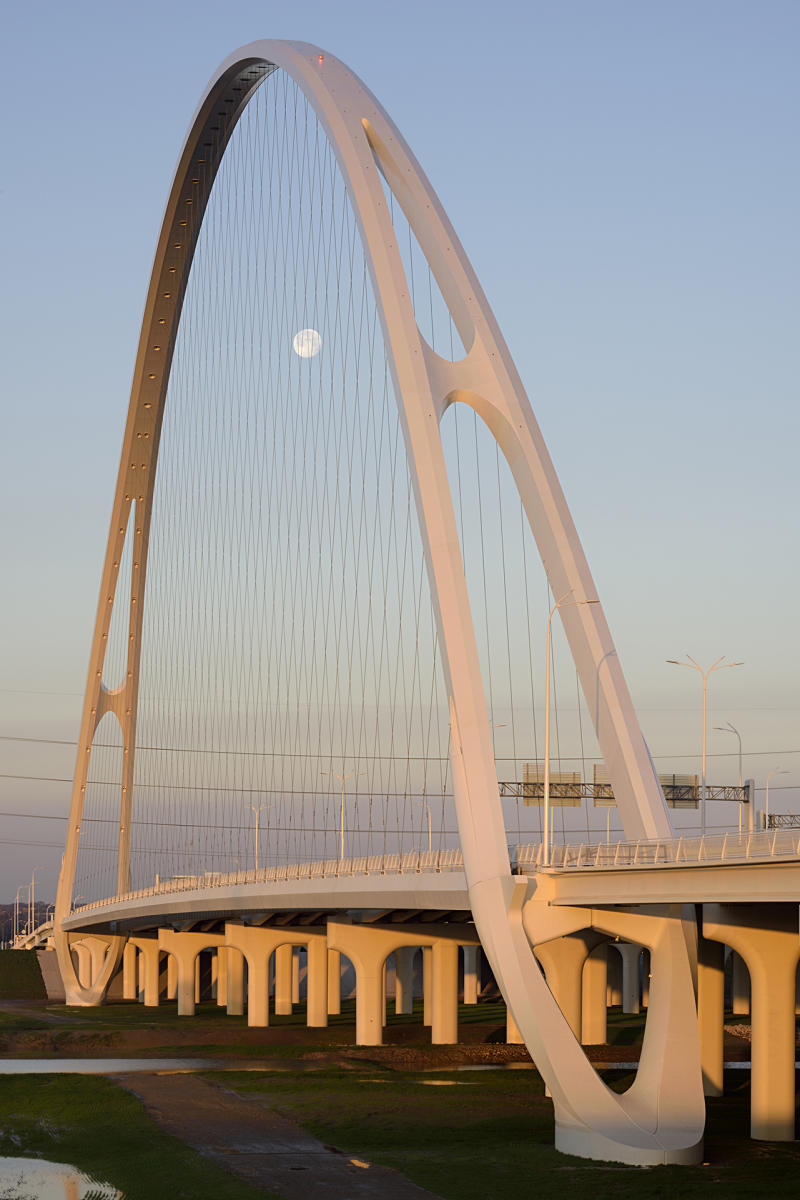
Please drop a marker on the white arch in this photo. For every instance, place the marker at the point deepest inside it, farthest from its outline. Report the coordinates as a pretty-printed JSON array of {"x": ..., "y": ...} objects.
[{"x": 643, "y": 1126}]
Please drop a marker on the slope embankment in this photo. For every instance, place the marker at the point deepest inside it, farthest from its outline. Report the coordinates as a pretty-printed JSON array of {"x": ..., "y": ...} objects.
[{"x": 21, "y": 975}]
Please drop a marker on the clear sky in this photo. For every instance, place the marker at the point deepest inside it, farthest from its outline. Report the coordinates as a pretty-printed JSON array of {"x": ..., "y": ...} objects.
[{"x": 624, "y": 177}]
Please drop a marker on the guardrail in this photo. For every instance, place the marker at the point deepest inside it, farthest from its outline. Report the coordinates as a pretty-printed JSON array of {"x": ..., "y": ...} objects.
[
  {"x": 763, "y": 846},
  {"x": 416, "y": 862}
]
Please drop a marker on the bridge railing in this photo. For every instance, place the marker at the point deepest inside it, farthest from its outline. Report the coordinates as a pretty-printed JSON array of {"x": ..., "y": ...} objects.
[
  {"x": 413, "y": 862},
  {"x": 762, "y": 846}
]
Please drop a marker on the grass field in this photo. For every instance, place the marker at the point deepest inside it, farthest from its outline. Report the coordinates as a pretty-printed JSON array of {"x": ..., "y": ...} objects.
[
  {"x": 463, "y": 1134},
  {"x": 472, "y": 1135},
  {"x": 488, "y": 1135},
  {"x": 93, "y": 1124}
]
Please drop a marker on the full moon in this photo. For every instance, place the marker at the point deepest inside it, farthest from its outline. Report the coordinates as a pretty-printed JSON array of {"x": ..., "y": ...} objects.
[{"x": 307, "y": 343}]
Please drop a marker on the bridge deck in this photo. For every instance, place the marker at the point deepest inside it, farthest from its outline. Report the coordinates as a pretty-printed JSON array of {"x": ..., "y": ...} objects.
[{"x": 759, "y": 867}]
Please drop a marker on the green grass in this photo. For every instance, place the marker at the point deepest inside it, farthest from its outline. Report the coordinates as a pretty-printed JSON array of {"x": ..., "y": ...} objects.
[
  {"x": 20, "y": 976},
  {"x": 18, "y": 1021},
  {"x": 111, "y": 1022},
  {"x": 489, "y": 1135},
  {"x": 93, "y": 1124}
]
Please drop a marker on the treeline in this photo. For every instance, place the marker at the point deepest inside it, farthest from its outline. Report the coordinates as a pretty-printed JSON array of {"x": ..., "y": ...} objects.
[{"x": 41, "y": 909}]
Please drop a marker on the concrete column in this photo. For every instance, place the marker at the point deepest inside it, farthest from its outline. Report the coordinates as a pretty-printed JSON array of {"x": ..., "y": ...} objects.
[
  {"x": 593, "y": 1000},
  {"x": 258, "y": 990},
  {"x": 262, "y": 946},
  {"x": 383, "y": 995},
  {"x": 513, "y": 1035},
  {"x": 444, "y": 1025},
  {"x": 645, "y": 978},
  {"x": 472, "y": 959},
  {"x": 141, "y": 975},
  {"x": 368, "y": 947},
  {"x": 563, "y": 959},
  {"x": 765, "y": 935},
  {"x": 711, "y": 1012},
  {"x": 98, "y": 948},
  {"x": 427, "y": 985},
  {"x": 334, "y": 982},
  {"x": 631, "y": 955},
  {"x": 129, "y": 971},
  {"x": 197, "y": 979},
  {"x": 172, "y": 978},
  {"x": 317, "y": 983},
  {"x": 187, "y": 983},
  {"x": 296, "y": 975},
  {"x": 253, "y": 945},
  {"x": 614, "y": 992},
  {"x": 221, "y": 971},
  {"x": 84, "y": 964},
  {"x": 234, "y": 982},
  {"x": 283, "y": 980},
  {"x": 740, "y": 986},
  {"x": 149, "y": 962},
  {"x": 369, "y": 1026},
  {"x": 404, "y": 979},
  {"x": 772, "y": 977},
  {"x": 186, "y": 947}
]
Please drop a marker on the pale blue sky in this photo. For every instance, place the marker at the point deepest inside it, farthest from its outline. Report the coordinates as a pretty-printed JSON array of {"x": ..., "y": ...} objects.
[{"x": 624, "y": 177}]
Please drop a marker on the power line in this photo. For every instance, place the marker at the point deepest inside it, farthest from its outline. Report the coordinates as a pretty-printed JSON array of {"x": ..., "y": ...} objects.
[
  {"x": 28, "y": 692},
  {"x": 358, "y": 757}
]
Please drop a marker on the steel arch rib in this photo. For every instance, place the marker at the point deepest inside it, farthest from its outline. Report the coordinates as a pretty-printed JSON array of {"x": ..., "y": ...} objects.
[{"x": 645, "y": 1125}]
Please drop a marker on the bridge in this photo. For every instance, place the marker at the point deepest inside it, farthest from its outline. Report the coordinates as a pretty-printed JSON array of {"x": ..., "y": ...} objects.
[{"x": 317, "y": 715}]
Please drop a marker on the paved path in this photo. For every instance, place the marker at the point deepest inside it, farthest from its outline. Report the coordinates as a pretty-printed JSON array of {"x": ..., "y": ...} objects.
[{"x": 266, "y": 1150}]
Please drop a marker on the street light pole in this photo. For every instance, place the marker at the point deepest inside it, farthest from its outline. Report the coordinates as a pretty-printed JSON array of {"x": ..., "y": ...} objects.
[
  {"x": 546, "y": 783},
  {"x": 16, "y": 909},
  {"x": 719, "y": 665},
  {"x": 729, "y": 728},
  {"x": 774, "y": 771},
  {"x": 422, "y": 800},
  {"x": 342, "y": 778},
  {"x": 258, "y": 812}
]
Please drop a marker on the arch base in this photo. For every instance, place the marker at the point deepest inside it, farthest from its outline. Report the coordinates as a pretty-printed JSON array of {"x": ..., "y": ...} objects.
[
  {"x": 75, "y": 994},
  {"x": 583, "y": 1142}
]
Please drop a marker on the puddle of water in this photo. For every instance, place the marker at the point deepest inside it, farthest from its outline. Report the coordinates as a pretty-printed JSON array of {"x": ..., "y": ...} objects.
[
  {"x": 512, "y": 1066},
  {"x": 99, "y": 1066},
  {"x": 26, "y": 1178},
  {"x": 633, "y": 1066},
  {"x": 446, "y": 1082}
]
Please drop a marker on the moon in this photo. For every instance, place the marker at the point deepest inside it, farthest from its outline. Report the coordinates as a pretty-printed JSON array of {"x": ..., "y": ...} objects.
[{"x": 307, "y": 343}]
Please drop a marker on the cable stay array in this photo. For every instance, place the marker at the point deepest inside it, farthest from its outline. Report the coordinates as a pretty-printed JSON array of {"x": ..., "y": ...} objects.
[{"x": 290, "y": 698}]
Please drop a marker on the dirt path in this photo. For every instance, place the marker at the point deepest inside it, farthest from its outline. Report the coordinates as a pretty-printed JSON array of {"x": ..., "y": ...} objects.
[{"x": 260, "y": 1147}]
